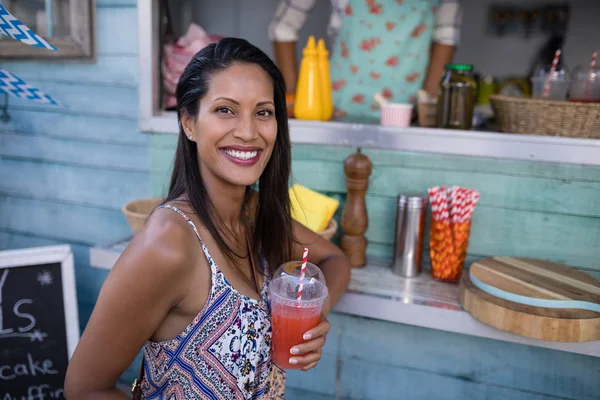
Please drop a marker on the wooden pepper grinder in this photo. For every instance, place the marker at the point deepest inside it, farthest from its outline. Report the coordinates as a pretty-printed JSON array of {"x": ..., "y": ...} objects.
[{"x": 354, "y": 222}]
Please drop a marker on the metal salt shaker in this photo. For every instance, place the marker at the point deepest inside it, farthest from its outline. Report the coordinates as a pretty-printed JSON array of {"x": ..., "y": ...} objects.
[{"x": 410, "y": 234}]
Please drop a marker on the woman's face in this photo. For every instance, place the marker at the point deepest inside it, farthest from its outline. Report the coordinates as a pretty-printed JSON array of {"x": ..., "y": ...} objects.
[{"x": 235, "y": 129}]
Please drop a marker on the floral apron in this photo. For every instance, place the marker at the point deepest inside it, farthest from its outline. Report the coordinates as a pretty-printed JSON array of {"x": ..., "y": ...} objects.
[{"x": 382, "y": 45}]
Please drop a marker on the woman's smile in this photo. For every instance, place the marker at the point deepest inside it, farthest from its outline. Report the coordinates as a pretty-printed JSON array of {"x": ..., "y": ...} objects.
[{"x": 242, "y": 155}]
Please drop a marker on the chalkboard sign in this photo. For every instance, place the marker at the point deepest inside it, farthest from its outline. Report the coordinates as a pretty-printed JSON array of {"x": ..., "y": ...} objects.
[{"x": 39, "y": 326}]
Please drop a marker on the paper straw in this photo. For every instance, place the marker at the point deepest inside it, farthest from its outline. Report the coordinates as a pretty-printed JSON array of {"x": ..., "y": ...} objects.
[
  {"x": 473, "y": 198},
  {"x": 302, "y": 273},
  {"x": 551, "y": 73},
  {"x": 590, "y": 75},
  {"x": 434, "y": 201},
  {"x": 439, "y": 203},
  {"x": 445, "y": 204},
  {"x": 454, "y": 200}
]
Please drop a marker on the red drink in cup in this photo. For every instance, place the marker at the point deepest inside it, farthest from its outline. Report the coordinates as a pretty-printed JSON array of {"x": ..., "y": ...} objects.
[{"x": 292, "y": 316}]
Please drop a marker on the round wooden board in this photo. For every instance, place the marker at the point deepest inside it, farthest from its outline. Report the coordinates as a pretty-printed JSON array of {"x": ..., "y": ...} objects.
[{"x": 563, "y": 325}]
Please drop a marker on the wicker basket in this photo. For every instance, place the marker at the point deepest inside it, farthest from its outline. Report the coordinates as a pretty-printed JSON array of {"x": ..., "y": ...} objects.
[
  {"x": 331, "y": 229},
  {"x": 137, "y": 211},
  {"x": 546, "y": 117}
]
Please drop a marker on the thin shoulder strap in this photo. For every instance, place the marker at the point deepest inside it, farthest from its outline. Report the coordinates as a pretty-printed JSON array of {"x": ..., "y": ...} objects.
[{"x": 189, "y": 221}]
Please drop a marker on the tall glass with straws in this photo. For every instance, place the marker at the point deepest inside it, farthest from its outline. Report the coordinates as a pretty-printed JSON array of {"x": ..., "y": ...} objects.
[{"x": 451, "y": 213}]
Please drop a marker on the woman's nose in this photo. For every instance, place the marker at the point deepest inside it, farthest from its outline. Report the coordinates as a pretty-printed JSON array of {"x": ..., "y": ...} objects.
[{"x": 246, "y": 129}]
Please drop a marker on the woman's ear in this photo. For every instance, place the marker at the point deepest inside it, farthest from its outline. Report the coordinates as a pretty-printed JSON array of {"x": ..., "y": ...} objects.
[{"x": 187, "y": 123}]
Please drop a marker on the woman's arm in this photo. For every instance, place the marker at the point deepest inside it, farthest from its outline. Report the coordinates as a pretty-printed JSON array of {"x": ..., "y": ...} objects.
[
  {"x": 441, "y": 55},
  {"x": 147, "y": 281},
  {"x": 446, "y": 35},
  {"x": 285, "y": 57},
  {"x": 330, "y": 258},
  {"x": 283, "y": 32}
]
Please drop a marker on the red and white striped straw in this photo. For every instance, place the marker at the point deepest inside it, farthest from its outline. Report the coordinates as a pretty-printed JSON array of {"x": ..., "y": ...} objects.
[
  {"x": 302, "y": 273},
  {"x": 590, "y": 75},
  {"x": 551, "y": 73}
]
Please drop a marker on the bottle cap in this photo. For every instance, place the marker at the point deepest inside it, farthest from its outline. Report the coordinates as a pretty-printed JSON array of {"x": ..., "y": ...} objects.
[
  {"x": 311, "y": 47},
  {"x": 321, "y": 49},
  {"x": 412, "y": 200},
  {"x": 459, "y": 67}
]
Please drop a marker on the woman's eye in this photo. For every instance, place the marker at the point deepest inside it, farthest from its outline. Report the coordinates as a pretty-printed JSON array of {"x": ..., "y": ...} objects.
[
  {"x": 223, "y": 110},
  {"x": 264, "y": 113}
]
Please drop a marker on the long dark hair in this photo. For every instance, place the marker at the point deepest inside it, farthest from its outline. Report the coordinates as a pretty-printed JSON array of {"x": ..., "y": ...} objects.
[{"x": 273, "y": 224}]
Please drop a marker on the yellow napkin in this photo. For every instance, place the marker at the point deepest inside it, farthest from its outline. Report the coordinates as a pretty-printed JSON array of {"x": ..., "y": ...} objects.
[{"x": 312, "y": 209}]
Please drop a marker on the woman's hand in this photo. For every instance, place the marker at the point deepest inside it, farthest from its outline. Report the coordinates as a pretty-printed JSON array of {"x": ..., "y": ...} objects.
[{"x": 308, "y": 354}]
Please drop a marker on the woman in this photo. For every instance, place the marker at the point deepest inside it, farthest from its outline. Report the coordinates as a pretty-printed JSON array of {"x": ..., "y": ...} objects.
[
  {"x": 191, "y": 287},
  {"x": 395, "y": 47}
]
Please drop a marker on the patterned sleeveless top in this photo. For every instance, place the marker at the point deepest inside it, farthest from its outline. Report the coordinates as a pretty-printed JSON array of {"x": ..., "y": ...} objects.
[{"x": 224, "y": 353}]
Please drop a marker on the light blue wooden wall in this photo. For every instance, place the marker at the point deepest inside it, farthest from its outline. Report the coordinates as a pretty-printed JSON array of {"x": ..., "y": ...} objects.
[
  {"x": 530, "y": 209},
  {"x": 542, "y": 210},
  {"x": 65, "y": 173}
]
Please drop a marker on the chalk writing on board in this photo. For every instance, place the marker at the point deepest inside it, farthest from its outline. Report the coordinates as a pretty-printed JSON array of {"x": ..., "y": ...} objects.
[
  {"x": 45, "y": 278},
  {"x": 27, "y": 330},
  {"x": 38, "y": 392},
  {"x": 33, "y": 358}
]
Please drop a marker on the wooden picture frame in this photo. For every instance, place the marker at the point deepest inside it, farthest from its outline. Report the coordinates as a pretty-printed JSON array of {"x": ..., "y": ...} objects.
[{"x": 80, "y": 44}]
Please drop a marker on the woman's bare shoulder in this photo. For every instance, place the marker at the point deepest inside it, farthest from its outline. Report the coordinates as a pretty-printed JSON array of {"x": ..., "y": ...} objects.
[{"x": 166, "y": 242}]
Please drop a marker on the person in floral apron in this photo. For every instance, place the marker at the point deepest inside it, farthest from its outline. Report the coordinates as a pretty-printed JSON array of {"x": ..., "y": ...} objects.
[{"x": 392, "y": 46}]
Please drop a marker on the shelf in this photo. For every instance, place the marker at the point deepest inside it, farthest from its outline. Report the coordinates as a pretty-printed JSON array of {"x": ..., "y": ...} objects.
[
  {"x": 375, "y": 292},
  {"x": 426, "y": 140}
]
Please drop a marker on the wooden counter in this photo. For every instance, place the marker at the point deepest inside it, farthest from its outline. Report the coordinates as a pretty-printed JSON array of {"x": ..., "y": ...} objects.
[{"x": 377, "y": 293}]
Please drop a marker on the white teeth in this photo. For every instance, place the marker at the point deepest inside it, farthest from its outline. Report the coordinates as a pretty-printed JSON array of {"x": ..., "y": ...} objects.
[{"x": 242, "y": 155}]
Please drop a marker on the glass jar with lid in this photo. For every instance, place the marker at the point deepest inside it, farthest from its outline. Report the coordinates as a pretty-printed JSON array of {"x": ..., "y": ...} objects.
[{"x": 457, "y": 95}]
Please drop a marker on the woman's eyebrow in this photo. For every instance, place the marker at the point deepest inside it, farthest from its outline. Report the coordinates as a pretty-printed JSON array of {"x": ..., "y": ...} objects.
[
  {"x": 260, "y": 103},
  {"x": 228, "y": 99}
]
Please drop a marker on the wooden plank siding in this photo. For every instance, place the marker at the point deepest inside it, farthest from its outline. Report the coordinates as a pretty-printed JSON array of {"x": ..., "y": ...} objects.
[
  {"x": 526, "y": 209},
  {"x": 66, "y": 172}
]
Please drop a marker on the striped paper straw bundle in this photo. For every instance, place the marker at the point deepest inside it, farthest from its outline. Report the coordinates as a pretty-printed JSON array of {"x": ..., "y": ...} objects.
[
  {"x": 452, "y": 210},
  {"x": 441, "y": 246}
]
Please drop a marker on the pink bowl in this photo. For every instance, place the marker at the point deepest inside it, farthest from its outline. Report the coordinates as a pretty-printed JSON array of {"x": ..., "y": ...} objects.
[{"x": 396, "y": 114}]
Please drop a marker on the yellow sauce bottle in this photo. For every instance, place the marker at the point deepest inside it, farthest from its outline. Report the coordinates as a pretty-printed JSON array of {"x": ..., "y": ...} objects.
[
  {"x": 323, "y": 57},
  {"x": 309, "y": 100}
]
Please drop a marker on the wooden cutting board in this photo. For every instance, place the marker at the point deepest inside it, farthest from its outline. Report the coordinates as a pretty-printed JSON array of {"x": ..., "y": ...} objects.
[{"x": 533, "y": 298}]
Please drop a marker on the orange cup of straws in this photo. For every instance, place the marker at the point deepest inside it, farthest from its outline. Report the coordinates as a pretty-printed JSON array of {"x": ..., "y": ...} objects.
[{"x": 452, "y": 209}]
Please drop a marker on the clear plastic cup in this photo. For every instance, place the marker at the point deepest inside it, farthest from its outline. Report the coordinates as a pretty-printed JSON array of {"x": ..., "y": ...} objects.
[
  {"x": 559, "y": 84},
  {"x": 580, "y": 81},
  {"x": 291, "y": 318}
]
